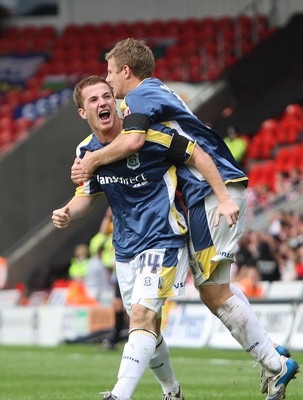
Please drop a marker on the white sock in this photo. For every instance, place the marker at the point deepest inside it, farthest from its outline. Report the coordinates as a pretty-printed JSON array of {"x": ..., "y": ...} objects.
[
  {"x": 162, "y": 368},
  {"x": 136, "y": 355},
  {"x": 235, "y": 290},
  {"x": 244, "y": 326}
]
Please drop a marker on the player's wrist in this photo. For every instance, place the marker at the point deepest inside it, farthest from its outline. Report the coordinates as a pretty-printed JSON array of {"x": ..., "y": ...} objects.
[{"x": 97, "y": 159}]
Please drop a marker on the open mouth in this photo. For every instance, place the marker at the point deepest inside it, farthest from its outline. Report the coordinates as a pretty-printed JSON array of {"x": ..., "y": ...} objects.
[{"x": 103, "y": 115}]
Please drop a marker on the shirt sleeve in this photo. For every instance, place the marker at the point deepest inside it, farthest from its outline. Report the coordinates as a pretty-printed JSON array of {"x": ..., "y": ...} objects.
[{"x": 138, "y": 112}]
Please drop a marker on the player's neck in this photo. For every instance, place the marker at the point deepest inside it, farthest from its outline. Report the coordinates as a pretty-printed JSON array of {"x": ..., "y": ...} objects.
[{"x": 108, "y": 135}]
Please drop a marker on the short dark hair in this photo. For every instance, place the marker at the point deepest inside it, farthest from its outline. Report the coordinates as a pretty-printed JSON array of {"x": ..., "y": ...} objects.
[{"x": 87, "y": 81}]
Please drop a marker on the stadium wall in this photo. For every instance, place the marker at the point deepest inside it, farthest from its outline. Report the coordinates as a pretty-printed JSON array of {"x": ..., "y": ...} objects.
[
  {"x": 96, "y": 11},
  {"x": 35, "y": 178}
]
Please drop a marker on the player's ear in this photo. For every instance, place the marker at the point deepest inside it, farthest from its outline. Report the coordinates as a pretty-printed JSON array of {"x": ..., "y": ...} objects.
[
  {"x": 82, "y": 113},
  {"x": 127, "y": 71}
]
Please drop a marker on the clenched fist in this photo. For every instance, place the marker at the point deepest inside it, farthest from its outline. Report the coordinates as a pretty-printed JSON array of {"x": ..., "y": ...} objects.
[{"x": 61, "y": 217}]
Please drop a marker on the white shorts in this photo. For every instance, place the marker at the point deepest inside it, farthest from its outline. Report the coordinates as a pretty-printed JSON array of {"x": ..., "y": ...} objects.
[
  {"x": 211, "y": 246},
  {"x": 145, "y": 280}
]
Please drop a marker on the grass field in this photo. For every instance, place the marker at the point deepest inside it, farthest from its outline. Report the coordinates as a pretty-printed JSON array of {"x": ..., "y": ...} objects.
[{"x": 80, "y": 372}]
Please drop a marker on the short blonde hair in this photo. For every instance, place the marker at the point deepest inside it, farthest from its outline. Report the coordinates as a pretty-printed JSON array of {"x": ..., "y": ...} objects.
[{"x": 136, "y": 54}]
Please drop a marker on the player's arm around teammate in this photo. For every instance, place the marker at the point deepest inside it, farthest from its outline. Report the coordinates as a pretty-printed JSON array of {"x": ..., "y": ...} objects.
[{"x": 227, "y": 207}]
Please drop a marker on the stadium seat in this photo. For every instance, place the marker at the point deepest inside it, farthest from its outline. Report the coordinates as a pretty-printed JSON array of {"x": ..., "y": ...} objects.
[
  {"x": 44, "y": 70},
  {"x": 195, "y": 50},
  {"x": 104, "y": 28},
  {"x": 174, "y": 51},
  {"x": 22, "y": 124},
  {"x": 178, "y": 74},
  {"x": 88, "y": 30},
  {"x": 48, "y": 31},
  {"x": 95, "y": 67},
  {"x": 74, "y": 66},
  {"x": 29, "y": 31},
  {"x": 71, "y": 30},
  {"x": 156, "y": 28},
  {"x": 282, "y": 159},
  {"x": 208, "y": 22},
  {"x": 74, "y": 53},
  {"x": 190, "y": 24},
  {"x": 138, "y": 29},
  {"x": 295, "y": 110},
  {"x": 6, "y": 123},
  {"x": 58, "y": 68},
  {"x": 42, "y": 44},
  {"x": 11, "y": 31},
  {"x": 29, "y": 95},
  {"x": 59, "y": 54},
  {"x": 195, "y": 74},
  {"x": 225, "y": 22}
]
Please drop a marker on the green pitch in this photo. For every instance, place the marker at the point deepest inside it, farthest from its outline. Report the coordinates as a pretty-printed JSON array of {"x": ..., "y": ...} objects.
[{"x": 80, "y": 372}]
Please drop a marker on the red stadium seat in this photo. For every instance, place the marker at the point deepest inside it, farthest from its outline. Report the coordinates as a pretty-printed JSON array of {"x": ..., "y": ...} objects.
[
  {"x": 14, "y": 97},
  {"x": 6, "y": 110},
  {"x": 190, "y": 24},
  {"x": 178, "y": 74},
  {"x": 11, "y": 32},
  {"x": 173, "y": 28},
  {"x": 73, "y": 53},
  {"x": 195, "y": 74},
  {"x": 58, "y": 68},
  {"x": 48, "y": 31},
  {"x": 225, "y": 22},
  {"x": 29, "y": 31},
  {"x": 6, "y": 45},
  {"x": 71, "y": 30},
  {"x": 138, "y": 29},
  {"x": 29, "y": 95},
  {"x": 105, "y": 28},
  {"x": 75, "y": 66},
  {"x": 295, "y": 110},
  {"x": 95, "y": 67},
  {"x": 282, "y": 159},
  {"x": 174, "y": 51},
  {"x": 90, "y": 53},
  {"x": 21, "y": 125},
  {"x": 7, "y": 136},
  {"x": 6, "y": 123},
  {"x": 44, "y": 70},
  {"x": 156, "y": 28},
  {"x": 88, "y": 30},
  {"x": 42, "y": 44}
]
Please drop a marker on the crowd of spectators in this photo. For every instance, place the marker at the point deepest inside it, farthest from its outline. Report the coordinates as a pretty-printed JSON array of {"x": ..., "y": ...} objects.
[
  {"x": 273, "y": 255},
  {"x": 271, "y": 158},
  {"x": 288, "y": 185}
]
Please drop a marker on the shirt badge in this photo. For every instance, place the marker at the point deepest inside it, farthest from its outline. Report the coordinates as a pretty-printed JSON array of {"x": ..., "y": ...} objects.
[{"x": 133, "y": 161}]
